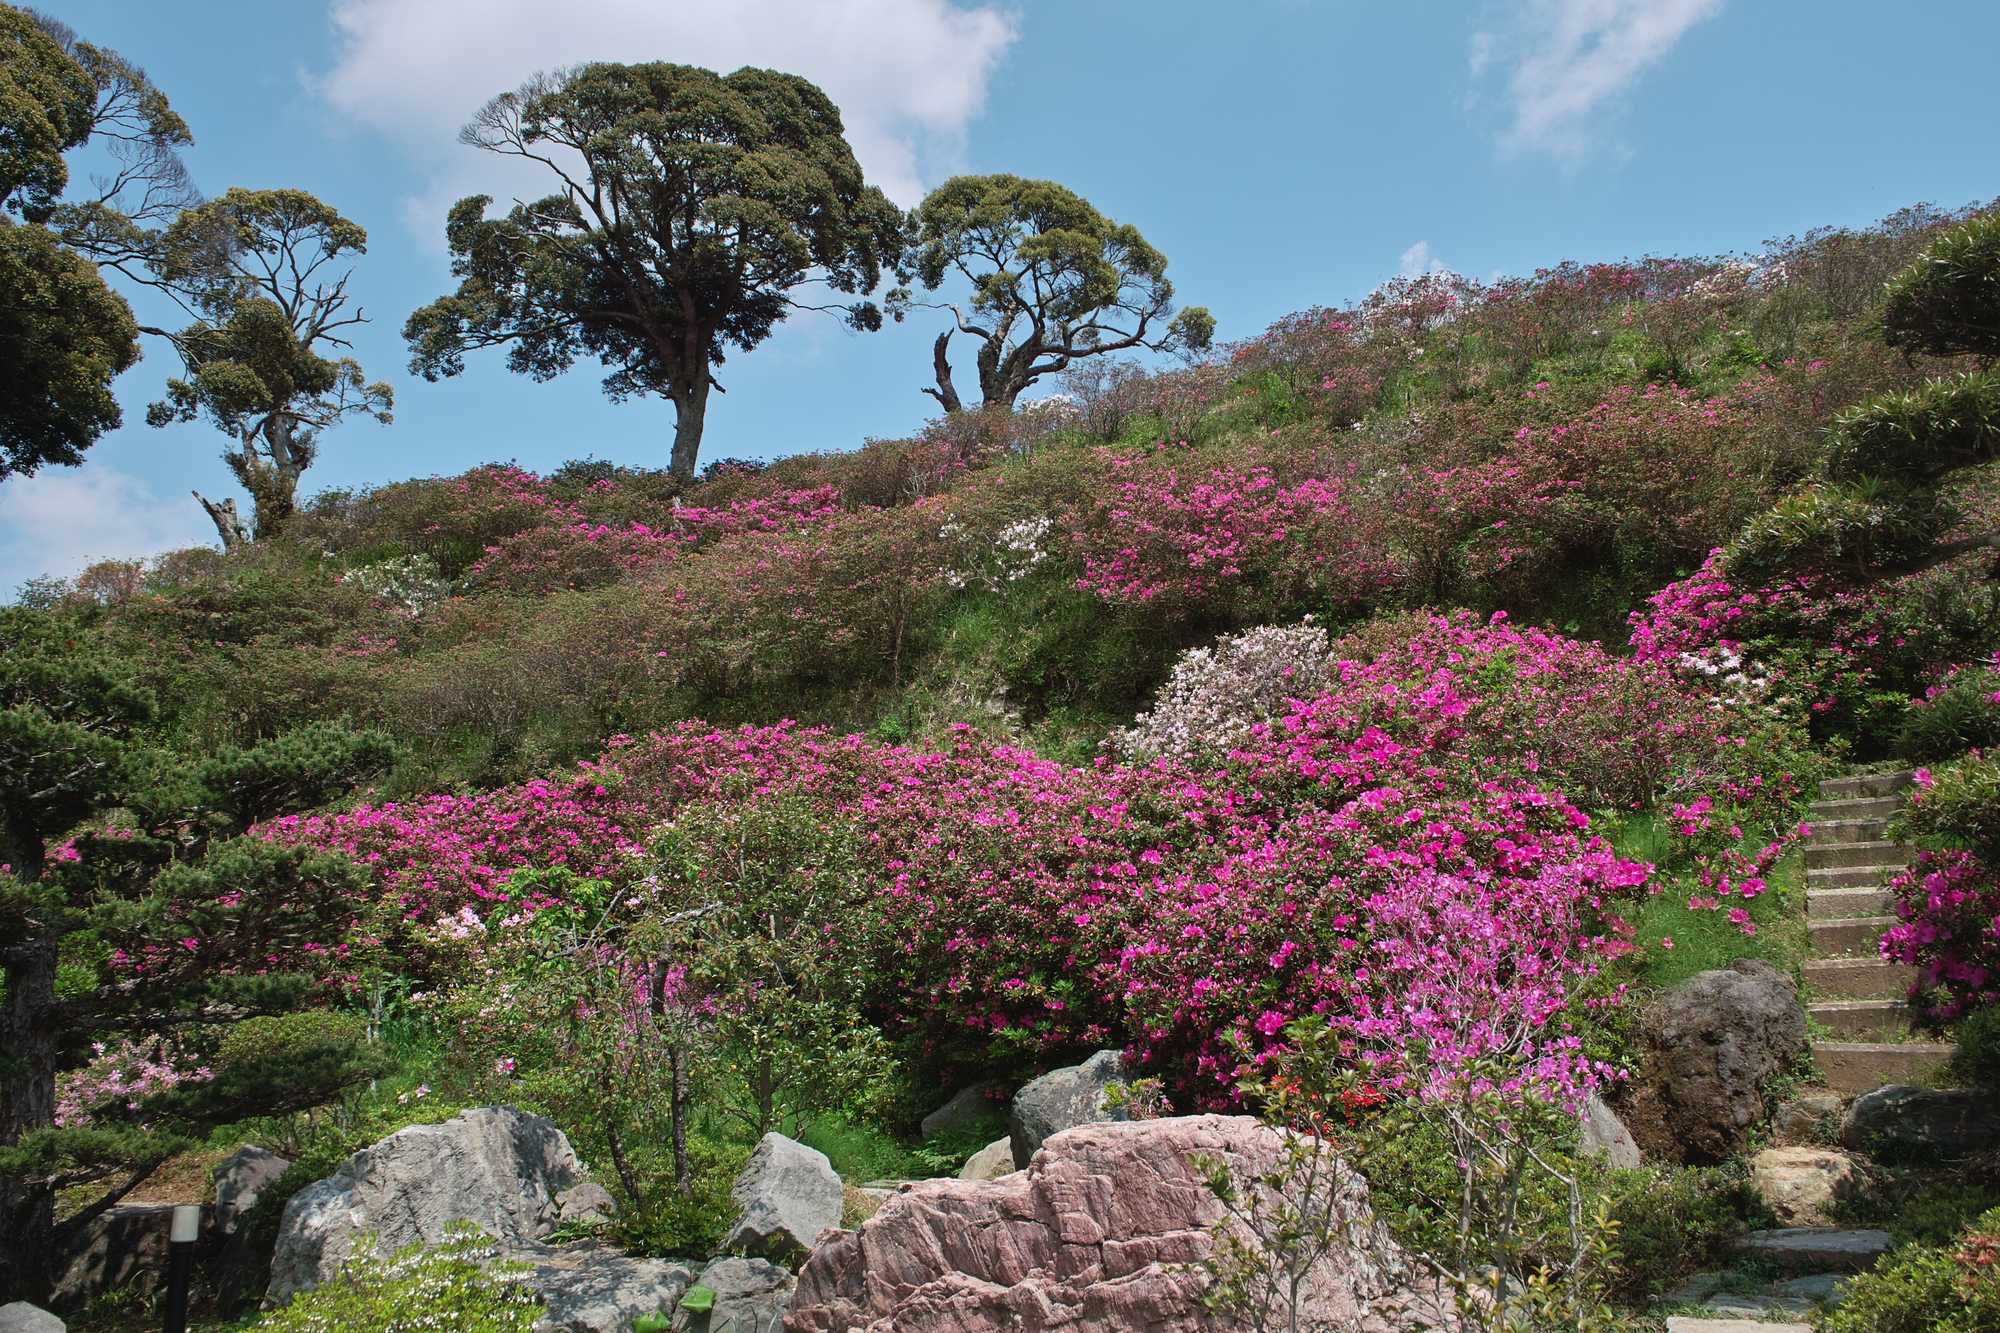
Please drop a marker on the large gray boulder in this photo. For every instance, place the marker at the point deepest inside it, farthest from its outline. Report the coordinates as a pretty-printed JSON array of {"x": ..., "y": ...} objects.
[
  {"x": 1062, "y": 1099},
  {"x": 590, "y": 1288},
  {"x": 240, "y": 1180},
  {"x": 496, "y": 1167},
  {"x": 993, "y": 1161},
  {"x": 788, "y": 1194},
  {"x": 1711, "y": 1044},
  {"x": 744, "y": 1296},
  {"x": 1901, "y": 1123},
  {"x": 21, "y": 1317}
]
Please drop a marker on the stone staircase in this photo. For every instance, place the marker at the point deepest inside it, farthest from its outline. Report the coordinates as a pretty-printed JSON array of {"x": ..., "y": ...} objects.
[{"x": 1852, "y": 992}]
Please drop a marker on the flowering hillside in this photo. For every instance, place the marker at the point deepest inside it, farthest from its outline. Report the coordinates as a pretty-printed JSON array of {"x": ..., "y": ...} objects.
[{"x": 1377, "y": 712}]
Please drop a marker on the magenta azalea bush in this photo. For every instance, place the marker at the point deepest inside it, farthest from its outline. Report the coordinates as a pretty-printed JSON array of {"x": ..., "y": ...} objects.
[
  {"x": 1407, "y": 854},
  {"x": 1948, "y": 928}
]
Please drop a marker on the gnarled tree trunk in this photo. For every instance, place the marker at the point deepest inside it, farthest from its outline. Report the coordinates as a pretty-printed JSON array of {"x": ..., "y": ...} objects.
[{"x": 690, "y": 416}]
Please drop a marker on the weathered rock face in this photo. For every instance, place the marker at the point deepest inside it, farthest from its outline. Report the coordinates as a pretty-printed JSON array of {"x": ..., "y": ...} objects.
[
  {"x": 1801, "y": 1185},
  {"x": 1604, "y": 1135},
  {"x": 1902, "y": 1123},
  {"x": 240, "y": 1180},
  {"x": 1712, "y": 1043},
  {"x": 969, "y": 1106},
  {"x": 789, "y": 1193},
  {"x": 1106, "y": 1229},
  {"x": 123, "y": 1249},
  {"x": 496, "y": 1167},
  {"x": 1062, "y": 1099},
  {"x": 993, "y": 1161},
  {"x": 1808, "y": 1121},
  {"x": 748, "y": 1296},
  {"x": 591, "y": 1288},
  {"x": 21, "y": 1317}
]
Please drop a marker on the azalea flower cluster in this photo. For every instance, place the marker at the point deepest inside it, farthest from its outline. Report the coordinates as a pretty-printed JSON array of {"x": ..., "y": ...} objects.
[
  {"x": 1398, "y": 853},
  {"x": 1948, "y": 928},
  {"x": 119, "y": 1078}
]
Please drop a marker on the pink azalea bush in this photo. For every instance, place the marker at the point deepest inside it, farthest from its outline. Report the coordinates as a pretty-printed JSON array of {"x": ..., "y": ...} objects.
[
  {"x": 119, "y": 1078},
  {"x": 1948, "y": 928},
  {"x": 1402, "y": 852}
]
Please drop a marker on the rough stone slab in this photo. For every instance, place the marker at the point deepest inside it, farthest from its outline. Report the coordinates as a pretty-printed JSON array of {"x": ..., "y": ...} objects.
[
  {"x": 750, "y": 1296},
  {"x": 1105, "y": 1231},
  {"x": 1684, "y": 1324},
  {"x": 788, "y": 1194},
  {"x": 993, "y": 1161},
  {"x": 21, "y": 1317},
  {"x": 1802, "y": 1186},
  {"x": 1062, "y": 1099},
  {"x": 1816, "y": 1249},
  {"x": 241, "y": 1179},
  {"x": 968, "y": 1106},
  {"x": 592, "y": 1288},
  {"x": 1905, "y": 1123}
]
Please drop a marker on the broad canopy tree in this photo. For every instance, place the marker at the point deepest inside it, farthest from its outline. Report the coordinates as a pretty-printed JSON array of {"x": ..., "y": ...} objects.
[
  {"x": 266, "y": 271},
  {"x": 1053, "y": 280},
  {"x": 689, "y": 209}
]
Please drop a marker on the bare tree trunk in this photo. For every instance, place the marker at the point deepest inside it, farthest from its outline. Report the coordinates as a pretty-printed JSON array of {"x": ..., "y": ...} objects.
[
  {"x": 227, "y": 522},
  {"x": 677, "y": 1105},
  {"x": 690, "y": 416},
  {"x": 946, "y": 392}
]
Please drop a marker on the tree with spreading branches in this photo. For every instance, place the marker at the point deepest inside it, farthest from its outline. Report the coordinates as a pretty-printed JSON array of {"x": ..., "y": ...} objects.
[
  {"x": 690, "y": 210},
  {"x": 266, "y": 271},
  {"x": 1052, "y": 281}
]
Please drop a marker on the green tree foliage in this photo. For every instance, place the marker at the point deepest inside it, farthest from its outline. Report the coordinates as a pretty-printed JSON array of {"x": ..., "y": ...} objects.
[
  {"x": 1948, "y": 302},
  {"x": 153, "y": 920},
  {"x": 1053, "y": 280},
  {"x": 1883, "y": 505},
  {"x": 690, "y": 207},
  {"x": 64, "y": 336},
  {"x": 46, "y": 101},
  {"x": 266, "y": 270}
]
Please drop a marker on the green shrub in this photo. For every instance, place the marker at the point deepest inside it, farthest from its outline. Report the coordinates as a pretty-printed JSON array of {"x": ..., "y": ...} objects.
[
  {"x": 1961, "y": 808},
  {"x": 1977, "y": 1063},
  {"x": 1947, "y": 1288},
  {"x": 1964, "y": 715},
  {"x": 1672, "y": 1222},
  {"x": 278, "y": 1037},
  {"x": 671, "y": 1223},
  {"x": 449, "y": 1288}
]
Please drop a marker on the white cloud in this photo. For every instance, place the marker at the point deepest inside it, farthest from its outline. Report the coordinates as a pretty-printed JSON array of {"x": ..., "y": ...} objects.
[
  {"x": 908, "y": 75},
  {"x": 1418, "y": 260},
  {"x": 60, "y": 521},
  {"x": 1565, "y": 66}
]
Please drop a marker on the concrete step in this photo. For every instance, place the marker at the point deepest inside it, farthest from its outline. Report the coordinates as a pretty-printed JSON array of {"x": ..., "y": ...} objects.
[
  {"x": 1682, "y": 1323},
  {"x": 1825, "y": 831},
  {"x": 1858, "y": 978},
  {"x": 1852, "y": 936},
  {"x": 1862, "y": 1017},
  {"x": 1876, "y": 853},
  {"x": 1855, "y": 1067},
  {"x": 1856, "y": 807},
  {"x": 1834, "y": 904},
  {"x": 1866, "y": 784},
  {"x": 1849, "y": 877},
  {"x": 1816, "y": 1249}
]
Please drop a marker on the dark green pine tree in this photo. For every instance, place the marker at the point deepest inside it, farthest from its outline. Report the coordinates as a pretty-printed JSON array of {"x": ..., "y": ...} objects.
[
  {"x": 132, "y": 908},
  {"x": 1883, "y": 506}
]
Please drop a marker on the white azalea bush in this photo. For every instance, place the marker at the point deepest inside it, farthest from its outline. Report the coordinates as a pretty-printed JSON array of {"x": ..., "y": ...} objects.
[{"x": 1215, "y": 695}]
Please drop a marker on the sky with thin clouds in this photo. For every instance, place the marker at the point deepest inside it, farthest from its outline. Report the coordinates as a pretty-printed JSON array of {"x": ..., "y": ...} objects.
[{"x": 1283, "y": 153}]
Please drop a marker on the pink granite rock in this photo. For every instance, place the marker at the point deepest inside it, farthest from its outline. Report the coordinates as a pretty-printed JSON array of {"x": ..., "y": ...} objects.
[{"x": 1105, "y": 1230}]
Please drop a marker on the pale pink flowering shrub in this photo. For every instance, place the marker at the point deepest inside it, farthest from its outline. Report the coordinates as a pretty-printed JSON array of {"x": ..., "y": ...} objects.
[
  {"x": 1214, "y": 695},
  {"x": 119, "y": 1078}
]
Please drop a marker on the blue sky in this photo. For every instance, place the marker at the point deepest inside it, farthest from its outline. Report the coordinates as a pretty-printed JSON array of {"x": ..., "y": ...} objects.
[{"x": 1283, "y": 153}]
